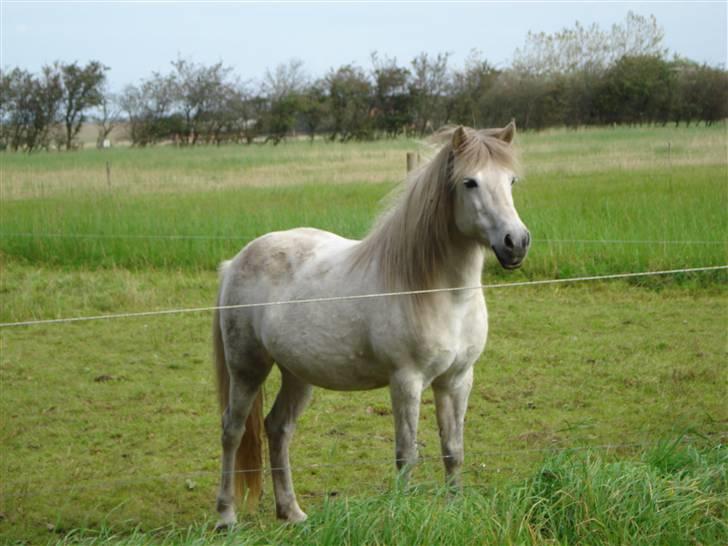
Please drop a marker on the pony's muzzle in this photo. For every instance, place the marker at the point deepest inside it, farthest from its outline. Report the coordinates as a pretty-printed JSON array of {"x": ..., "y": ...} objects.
[{"x": 513, "y": 249}]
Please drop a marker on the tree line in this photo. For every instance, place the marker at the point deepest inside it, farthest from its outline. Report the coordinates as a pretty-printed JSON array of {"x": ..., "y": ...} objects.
[{"x": 576, "y": 77}]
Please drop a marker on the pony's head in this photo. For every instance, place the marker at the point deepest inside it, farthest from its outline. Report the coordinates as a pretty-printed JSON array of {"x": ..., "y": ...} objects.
[
  {"x": 463, "y": 193},
  {"x": 482, "y": 171}
]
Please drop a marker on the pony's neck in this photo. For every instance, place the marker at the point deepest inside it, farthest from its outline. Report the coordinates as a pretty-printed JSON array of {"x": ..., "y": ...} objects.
[
  {"x": 456, "y": 261},
  {"x": 464, "y": 266},
  {"x": 416, "y": 245}
]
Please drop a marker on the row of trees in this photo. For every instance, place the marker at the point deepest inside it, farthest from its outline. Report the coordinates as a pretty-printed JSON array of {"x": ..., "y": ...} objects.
[
  {"x": 51, "y": 107},
  {"x": 579, "y": 76}
]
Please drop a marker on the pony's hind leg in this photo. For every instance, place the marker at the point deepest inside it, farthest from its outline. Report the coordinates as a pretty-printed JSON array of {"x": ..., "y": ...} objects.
[
  {"x": 279, "y": 425},
  {"x": 247, "y": 371}
]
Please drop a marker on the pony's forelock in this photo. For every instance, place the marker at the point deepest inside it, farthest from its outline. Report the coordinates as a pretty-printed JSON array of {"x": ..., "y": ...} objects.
[{"x": 479, "y": 148}]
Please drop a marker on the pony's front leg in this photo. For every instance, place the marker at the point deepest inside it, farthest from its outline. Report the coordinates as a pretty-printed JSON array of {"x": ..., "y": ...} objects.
[
  {"x": 406, "y": 391},
  {"x": 451, "y": 402}
]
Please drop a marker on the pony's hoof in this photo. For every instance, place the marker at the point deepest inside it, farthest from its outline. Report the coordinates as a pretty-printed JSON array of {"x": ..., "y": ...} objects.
[
  {"x": 226, "y": 522},
  {"x": 223, "y": 527},
  {"x": 298, "y": 518},
  {"x": 294, "y": 516}
]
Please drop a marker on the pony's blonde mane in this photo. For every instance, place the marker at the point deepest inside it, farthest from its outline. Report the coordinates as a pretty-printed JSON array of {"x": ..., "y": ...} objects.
[{"x": 411, "y": 243}]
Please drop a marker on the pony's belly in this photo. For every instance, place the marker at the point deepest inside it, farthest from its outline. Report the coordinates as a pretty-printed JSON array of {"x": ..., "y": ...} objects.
[
  {"x": 346, "y": 378},
  {"x": 328, "y": 349},
  {"x": 336, "y": 372}
]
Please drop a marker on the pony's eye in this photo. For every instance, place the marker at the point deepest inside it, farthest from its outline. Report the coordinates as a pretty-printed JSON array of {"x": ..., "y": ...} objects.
[
  {"x": 514, "y": 179},
  {"x": 471, "y": 183}
]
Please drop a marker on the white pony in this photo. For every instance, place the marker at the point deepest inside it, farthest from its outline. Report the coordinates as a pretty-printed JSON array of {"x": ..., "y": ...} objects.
[{"x": 435, "y": 236}]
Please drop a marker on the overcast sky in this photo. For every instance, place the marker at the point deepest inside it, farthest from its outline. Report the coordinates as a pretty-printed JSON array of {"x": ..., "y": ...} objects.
[{"x": 136, "y": 38}]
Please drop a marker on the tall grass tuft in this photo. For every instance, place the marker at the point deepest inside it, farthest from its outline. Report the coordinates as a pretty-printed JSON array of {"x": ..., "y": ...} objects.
[{"x": 672, "y": 495}]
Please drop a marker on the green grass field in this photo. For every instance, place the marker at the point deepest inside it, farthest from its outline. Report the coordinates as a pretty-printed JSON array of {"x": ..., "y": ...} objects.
[
  {"x": 187, "y": 209},
  {"x": 598, "y": 414}
]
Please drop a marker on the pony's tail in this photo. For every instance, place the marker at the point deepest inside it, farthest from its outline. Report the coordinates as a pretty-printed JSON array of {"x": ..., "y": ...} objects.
[{"x": 249, "y": 456}]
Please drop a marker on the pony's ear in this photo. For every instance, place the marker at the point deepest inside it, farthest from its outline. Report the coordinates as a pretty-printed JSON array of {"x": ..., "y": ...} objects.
[
  {"x": 508, "y": 132},
  {"x": 458, "y": 138}
]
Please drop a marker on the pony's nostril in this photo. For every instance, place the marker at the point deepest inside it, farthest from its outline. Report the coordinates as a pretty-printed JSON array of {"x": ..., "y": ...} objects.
[
  {"x": 508, "y": 241},
  {"x": 526, "y": 240}
]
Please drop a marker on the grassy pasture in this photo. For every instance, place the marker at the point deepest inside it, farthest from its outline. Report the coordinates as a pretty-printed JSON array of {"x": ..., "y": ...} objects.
[
  {"x": 109, "y": 430},
  {"x": 92, "y": 412}
]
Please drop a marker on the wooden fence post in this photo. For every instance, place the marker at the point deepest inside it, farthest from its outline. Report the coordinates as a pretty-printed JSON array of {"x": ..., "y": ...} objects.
[{"x": 410, "y": 161}]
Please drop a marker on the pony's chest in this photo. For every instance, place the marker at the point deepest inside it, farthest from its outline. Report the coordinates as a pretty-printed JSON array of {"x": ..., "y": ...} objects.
[
  {"x": 456, "y": 346},
  {"x": 449, "y": 342}
]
